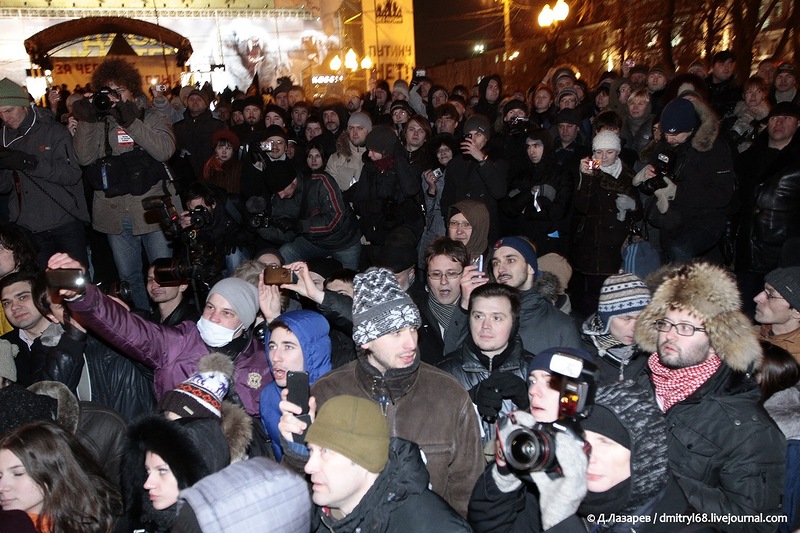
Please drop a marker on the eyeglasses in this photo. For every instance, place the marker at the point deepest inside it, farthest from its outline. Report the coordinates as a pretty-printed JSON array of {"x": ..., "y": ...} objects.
[
  {"x": 455, "y": 224},
  {"x": 437, "y": 276},
  {"x": 681, "y": 328},
  {"x": 772, "y": 295}
]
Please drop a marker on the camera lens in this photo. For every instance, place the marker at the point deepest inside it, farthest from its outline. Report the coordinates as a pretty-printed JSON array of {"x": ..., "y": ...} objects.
[{"x": 530, "y": 449}]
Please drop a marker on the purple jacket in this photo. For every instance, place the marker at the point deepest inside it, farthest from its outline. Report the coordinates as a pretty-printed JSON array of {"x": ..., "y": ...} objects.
[{"x": 173, "y": 352}]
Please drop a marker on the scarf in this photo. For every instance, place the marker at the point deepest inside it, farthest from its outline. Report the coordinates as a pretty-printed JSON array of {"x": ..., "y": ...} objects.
[
  {"x": 391, "y": 386},
  {"x": 614, "y": 168},
  {"x": 443, "y": 313},
  {"x": 490, "y": 363},
  {"x": 385, "y": 163},
  {"x": 785, "y": 96},
  {"x": 673, "y": 386}
]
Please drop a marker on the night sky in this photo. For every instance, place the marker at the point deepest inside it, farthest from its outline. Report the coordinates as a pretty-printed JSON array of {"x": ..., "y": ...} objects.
[{"x": 450, "y": 28}]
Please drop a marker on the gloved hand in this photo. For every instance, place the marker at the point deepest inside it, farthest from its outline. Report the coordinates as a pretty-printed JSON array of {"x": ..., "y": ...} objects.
[
  {"x": 125, "y": 113},
  {"x": 548, "y": 192},
  {"x": 559, "y": 498},
  {"x": 286, "y": 225},
  {"x": 17, "y": 160},
  {"x": 665, "y": 195},
  {"x": 505, "y": 479},
  {"x": 83, "y": 110},
  {"x": 487, "y": 399},
  {"x": 624, "y": 203}
]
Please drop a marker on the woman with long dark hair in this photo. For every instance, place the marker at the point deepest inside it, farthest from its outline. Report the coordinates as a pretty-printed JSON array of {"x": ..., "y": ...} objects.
[{"x": 47, "y": 474}]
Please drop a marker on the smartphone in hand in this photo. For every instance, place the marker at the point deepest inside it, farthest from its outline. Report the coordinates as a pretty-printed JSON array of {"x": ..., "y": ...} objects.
[{"x": 297, "y": 383}]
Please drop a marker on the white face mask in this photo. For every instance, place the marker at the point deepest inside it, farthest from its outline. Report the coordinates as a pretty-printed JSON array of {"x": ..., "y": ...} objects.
[{"x": 215, "y": 335}]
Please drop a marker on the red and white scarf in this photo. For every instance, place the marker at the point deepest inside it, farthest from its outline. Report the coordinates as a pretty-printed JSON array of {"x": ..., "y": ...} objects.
[{"x": 673, "y": 386}]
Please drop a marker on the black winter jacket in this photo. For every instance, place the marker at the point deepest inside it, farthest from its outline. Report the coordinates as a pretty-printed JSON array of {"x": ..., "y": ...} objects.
[
  {"x": 769, "y": 189},
  {"x": 398, "y": 501},
  {"x": 193, "y": 139}
]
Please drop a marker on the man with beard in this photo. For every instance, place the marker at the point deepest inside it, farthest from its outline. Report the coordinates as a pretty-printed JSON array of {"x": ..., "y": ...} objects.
[
  {"x": 420, "y": 402},
  {"x": 253, "y": 123},
  {"x": 352, "y": 100},
  {"x": 725, "y": 452},
  {"x": 346, "y": 164}
]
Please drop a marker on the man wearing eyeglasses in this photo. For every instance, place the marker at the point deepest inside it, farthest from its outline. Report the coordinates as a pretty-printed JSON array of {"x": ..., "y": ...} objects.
[
  {"x": 778, "y": 309},
  {"x": 725, "y": 452}
]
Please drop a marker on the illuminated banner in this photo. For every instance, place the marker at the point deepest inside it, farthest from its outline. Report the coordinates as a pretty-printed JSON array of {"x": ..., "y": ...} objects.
[
  {"x": 389, "y": 37},
  {"x": 271, "y": 48}
]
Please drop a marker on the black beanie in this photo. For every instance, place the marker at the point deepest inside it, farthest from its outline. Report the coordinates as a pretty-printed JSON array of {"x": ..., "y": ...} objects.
[
  {"x": 606, "y": 423},
  {"x": 382, "y": 139}
]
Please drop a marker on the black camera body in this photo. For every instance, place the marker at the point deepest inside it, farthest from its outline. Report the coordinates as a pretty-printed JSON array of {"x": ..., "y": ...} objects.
[
  {"x": 258, "y": 212},
  {"x": 201, "y": 217},
  {"x": 533, "y": 449},
  {"x": 102, "y": 100},
  {"x": 665, "y": 168}
]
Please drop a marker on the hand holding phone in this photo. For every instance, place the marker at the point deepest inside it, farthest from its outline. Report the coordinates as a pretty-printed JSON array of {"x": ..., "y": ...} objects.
[
  {"x": 297, "y": 385},
  {"x": 279, "y": 276}
]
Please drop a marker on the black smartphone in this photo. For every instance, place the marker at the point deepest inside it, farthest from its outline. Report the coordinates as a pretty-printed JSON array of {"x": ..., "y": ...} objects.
[
  {"x": 66, "y": 278},
  {"x": 297, "y": 383}
]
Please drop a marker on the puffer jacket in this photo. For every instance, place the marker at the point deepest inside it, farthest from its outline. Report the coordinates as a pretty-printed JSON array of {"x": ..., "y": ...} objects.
[
  {"x": 542, "y": 326},
  {"x": 153, "y": 133},
  {"x": 52, "y": 193},
  {"x": 117, "y": 382},
  {"x": 769, "y": 188},
  {"x": 311, "y": 330},
  {"x": 597, "y": 233},
  {"x": 398, "y": 501},
  {"x": 172, "y": 352},
  {"x": 429, "y": 407},
  {"x": 725, "y": 452},
  {"x": 464, "y": 365}
]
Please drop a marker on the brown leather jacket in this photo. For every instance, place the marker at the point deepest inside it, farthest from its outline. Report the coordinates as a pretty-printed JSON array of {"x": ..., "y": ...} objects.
[{"x": 430, "y": 408}]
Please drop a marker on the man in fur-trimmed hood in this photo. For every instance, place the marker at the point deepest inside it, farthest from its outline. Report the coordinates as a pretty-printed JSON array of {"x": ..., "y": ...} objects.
[{"x": 725, "y": 452}]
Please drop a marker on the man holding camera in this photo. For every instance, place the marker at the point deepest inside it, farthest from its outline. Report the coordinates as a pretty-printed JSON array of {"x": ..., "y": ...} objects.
[
  {"x": 40, "y": 174},
  {"x": 696, "y": 182},
  {"x": 124, "y": 149},
  {"x": 726, "y": 453}
]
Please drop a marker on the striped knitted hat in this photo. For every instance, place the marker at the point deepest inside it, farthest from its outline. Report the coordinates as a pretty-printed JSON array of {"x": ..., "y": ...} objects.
[{"x": 621, "y": 295}]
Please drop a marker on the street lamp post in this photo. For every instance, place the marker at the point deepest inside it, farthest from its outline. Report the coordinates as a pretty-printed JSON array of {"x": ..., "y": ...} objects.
[
  {"x": 551, "y": 18},
  {"x": 351, "y": 63}
]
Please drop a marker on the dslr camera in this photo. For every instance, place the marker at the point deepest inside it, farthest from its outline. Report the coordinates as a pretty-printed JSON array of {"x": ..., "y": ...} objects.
[
  {"x": 533, "y": 449},
  {"x": 102, "y": 100},
  {"x": 665, "y": 168},
  {"x": 201, "y": 217}
]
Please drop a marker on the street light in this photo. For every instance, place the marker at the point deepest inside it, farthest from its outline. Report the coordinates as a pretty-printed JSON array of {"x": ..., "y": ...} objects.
[{"x": 550, "y": 18}]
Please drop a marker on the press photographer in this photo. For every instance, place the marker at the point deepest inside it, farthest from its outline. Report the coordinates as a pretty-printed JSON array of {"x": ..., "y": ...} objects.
[
  {"x": 123, "y": 149},
  {"x": 304, "y": 215},
  {"x": 547, "y": 479},
  {"x": 40, "y": 176},
  {"x": 692, "y": 202}
]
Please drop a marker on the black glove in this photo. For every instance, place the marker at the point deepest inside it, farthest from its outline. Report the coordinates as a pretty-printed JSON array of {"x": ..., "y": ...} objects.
[
  {"x": 17, "y": 160},
  {"x": 511, "y": 387},
  {"x": 125, "y": 113},
  {"x": 83, "y": 110},
  {"x": 287, "y": 225},
  {"x": 487, "y": 399}
]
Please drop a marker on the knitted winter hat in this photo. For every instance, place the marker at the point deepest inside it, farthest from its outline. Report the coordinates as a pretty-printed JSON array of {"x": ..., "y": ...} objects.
[
  {"x": 523, "y": 246},
  {"x": 478, "y": 122},
  {"x": 679, "y": 116},
  {"x": 787, "y": 282},
  {"x": 380, "y": 306},
  {"x": 568, "y": 116},
  {"x": 198, "y": 92},
  {"x": 355, "y": 428},
  {"x": 8, "y": 351},
  {"x": 401, "y": 86},
  {"x": 242, "y": 296},
  {"x": 785, "y": 67},
  {"x": 710, "y": 294},
  {"x": 659, "y": 68},
  {"x": 785, "y": 109},
  {"x": 12, "y": 94},
  {"x": 21, "y": 406},
  {"x": 254, "y": 101},
  {"x": 621, "y": 295},
  {"x": 201, "y": 395},
  {"x": 227, "y": 135},
  {"x": 274, "y": 131},
  {"x": 400, "y": 104},
  {"x": 606, "y": 140},
  {"x": 360, "y": 119},
  {"x": 514, "y": 104},
  {"x": 281, "y": 112},
  {"x": 382, "y": 139},
  {"x": 634, "y": 409},
  {"x": 566, "y": 91}
]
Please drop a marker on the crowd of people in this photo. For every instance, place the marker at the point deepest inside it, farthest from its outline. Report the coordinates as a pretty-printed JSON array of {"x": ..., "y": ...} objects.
[{"x": 415, "y": 308}]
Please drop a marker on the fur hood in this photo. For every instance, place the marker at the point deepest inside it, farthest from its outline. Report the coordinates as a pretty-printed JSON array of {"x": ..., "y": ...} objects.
[
  {"x": 708, "y": 292},
  {"x": 68, "y": 406},
  {"x": 237, "y": 426},
  {"x": 708, "y": 131}
]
